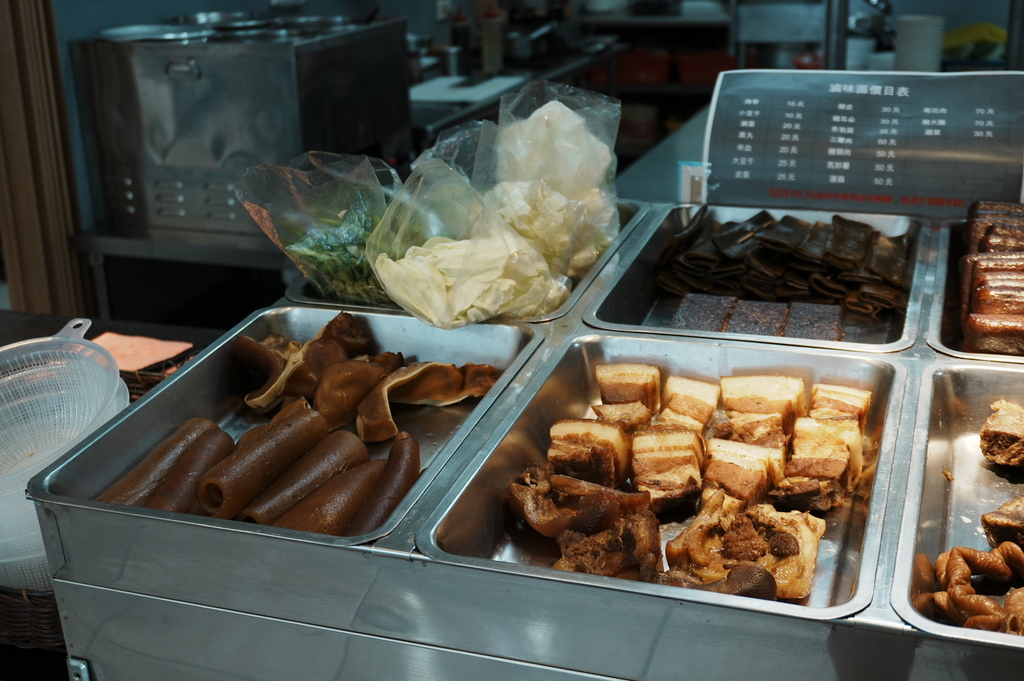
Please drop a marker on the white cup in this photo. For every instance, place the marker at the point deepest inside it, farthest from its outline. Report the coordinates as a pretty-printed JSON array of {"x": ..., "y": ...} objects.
[
  {"x": 858, "y": 51},
  {"x": 882, "y": 61},
  {"x": 919, "y": 42}
]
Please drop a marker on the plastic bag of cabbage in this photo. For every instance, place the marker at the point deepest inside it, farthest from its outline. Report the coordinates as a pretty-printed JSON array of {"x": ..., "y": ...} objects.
[
  {"x": 545, "y": 171},
  {"x": 450, "y": 259}
]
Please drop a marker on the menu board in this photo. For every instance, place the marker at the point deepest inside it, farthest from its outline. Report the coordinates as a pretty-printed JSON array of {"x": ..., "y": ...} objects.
[{"x": 873, "y": 142}]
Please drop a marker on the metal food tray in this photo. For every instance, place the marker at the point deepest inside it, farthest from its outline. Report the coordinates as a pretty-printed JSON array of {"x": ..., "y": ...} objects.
[
  {"x": 630, "y": 214},
  {"x": 472, "y": 525},
  {"x": 634, "y": 303},
  {"x": 145, "y": 550},
  {"x": 945, "y": 333},
  {"x": 951, "y": 484}
]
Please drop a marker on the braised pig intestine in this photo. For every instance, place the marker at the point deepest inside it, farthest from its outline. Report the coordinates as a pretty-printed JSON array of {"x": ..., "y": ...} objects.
[{"x": 957, "y": 599}]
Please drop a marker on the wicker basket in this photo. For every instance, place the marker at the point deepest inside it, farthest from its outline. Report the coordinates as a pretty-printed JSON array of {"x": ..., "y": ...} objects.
[
  {"x": 141, "y": 381},
  {"x": 29, "y": 619}
]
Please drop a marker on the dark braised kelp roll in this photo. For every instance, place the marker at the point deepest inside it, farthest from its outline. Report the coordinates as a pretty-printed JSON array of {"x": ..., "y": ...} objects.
[
  {"x": 889, "y": 258},
  {"x": 695, "y": 228},
  {"x": 848, "y": 247},
  {"x": 842, "y": 262},
  {"x": 812, "y": 248},
  {"x": 786, "y": 235},
  {"x": 736, "y": 240}
]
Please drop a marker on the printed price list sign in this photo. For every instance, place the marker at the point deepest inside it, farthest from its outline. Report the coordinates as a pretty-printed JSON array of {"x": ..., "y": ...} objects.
[{"x": 874, "y": 142}]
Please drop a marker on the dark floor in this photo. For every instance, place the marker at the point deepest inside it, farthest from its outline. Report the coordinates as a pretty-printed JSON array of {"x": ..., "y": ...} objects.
[{"x": 32, "y": 664}]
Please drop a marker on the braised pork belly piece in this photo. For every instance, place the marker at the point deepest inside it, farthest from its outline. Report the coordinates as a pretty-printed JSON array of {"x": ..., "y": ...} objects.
[
  {"x": 745, "y": 472},
  {"x": 667, "y": 463},
  {"x": 629, "y": 415},
  {"x": 590, "y": 449},
  {"x": 688, "y": 402},
  {"x": 630, "y": 382}
]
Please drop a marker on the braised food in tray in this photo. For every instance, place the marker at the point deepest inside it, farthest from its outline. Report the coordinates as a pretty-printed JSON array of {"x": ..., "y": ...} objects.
[
  {"x": 307, "y": 465},
  {"x": 782, "y": 276},
  {"x": 983, "y": 588},
  {"x": 682, "y": 481},
  {"x": 991, "y": 279}
]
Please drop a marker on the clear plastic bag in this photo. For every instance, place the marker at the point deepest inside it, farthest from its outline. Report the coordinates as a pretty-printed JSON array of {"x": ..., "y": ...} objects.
[
  {"x": 320, "y": 209},
  {"x": 565, "y": 137},
  {"x": 450, "y": 259},
  {"x": 548, "y": 167}
]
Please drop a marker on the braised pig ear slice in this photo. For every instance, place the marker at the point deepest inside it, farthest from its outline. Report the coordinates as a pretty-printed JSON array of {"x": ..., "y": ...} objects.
[
  {"x": 440, "y": 384},
  {"x": 552, "y": 504},
  {"x": 342, "y": 387},
  {"x": 431, "y": 383},
  {"x": 340, "y": 339},
  {"x": 276, "y": 358}
]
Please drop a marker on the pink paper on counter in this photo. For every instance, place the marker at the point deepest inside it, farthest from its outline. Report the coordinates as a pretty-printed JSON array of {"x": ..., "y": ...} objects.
[{"x": 138, "y": 352}]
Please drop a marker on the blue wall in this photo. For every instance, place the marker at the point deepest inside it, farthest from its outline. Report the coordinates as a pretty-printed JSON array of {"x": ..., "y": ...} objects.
[{"x": 78, "y": 20}]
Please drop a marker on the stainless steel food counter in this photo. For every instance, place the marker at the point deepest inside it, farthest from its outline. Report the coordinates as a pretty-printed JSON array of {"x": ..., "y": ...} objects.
[{"x": 452, "y": 590}]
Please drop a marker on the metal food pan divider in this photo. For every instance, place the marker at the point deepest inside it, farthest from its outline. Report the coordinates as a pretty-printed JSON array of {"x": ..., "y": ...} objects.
[
  {"x": 634, "y": 302},
  {"x": 631, "y": 213},
  {"x": 472, "y": 526},
  {"x": 212, "y": 561}
]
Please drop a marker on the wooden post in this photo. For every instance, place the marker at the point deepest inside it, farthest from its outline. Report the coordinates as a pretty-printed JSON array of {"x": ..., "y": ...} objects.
[{"x": 38, "y": 213}]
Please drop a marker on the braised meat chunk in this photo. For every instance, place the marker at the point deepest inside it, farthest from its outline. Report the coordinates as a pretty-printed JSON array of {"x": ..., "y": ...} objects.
[
  {"x": 631, "y": 549},
  {"x": 552, "y": 504}
]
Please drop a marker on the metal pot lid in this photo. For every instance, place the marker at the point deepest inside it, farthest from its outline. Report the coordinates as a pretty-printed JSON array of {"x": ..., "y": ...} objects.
[
  {"x": 264, "y": 34},
  {"x": 314, "y": 22},
  {"x": 137, "y": 32},
  {"x": 224, "y": 20}
]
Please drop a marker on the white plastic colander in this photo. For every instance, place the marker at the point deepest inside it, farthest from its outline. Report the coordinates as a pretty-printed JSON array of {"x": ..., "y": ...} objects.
[{"x": 53, "y": 392}]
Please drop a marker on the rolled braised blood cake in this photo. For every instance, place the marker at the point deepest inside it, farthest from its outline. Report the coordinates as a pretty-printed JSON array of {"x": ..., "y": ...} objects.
[
  {"x": 331, "y": 508},
  {"x": 336, "y": 453},
  {"x": 135, "y": 487},
  {"x": 178, "y": 490},
  {"x": 400, "y": 473},
  {"x": 229, "y": 486}
]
